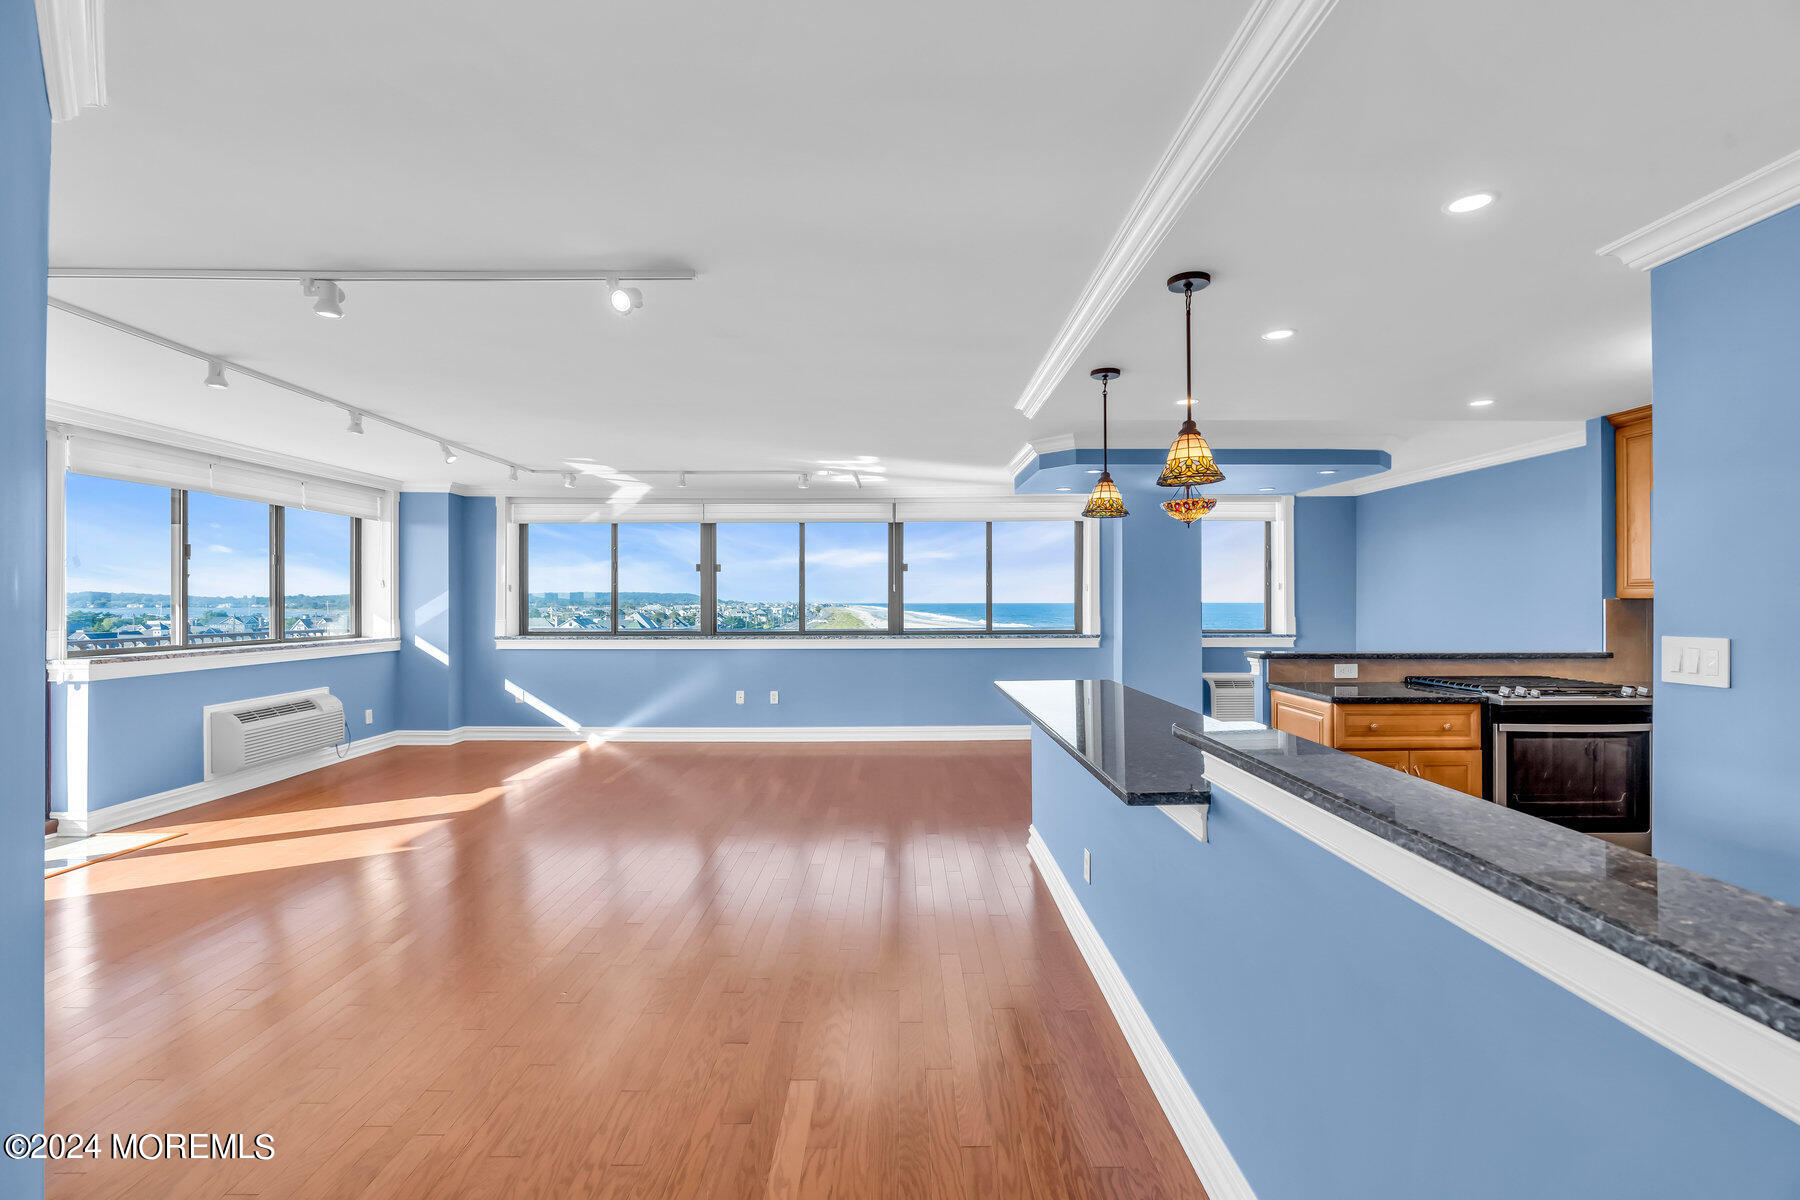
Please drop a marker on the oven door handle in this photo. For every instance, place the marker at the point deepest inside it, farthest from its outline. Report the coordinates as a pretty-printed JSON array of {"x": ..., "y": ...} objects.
[{"x": 1595, "y": 727}]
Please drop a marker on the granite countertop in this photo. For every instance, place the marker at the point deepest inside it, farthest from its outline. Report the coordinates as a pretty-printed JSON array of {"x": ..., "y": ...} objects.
[
  {"x": 1734, "y": 946},
  {"x": 1121, "y": 735},
  {"x": 1445, "y": 655},
  {"x": 1348, "y": 692}
]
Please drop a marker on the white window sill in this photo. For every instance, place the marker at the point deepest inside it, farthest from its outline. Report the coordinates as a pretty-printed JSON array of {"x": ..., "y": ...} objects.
[
  {"x": 123, "y": 666},
  {"x": 1254, "y": 641},
  {"x": 810, "y": 642}
]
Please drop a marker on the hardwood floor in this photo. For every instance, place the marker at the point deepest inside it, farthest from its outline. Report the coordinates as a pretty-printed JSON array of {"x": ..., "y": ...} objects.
[{"x": 542, "y": 970}]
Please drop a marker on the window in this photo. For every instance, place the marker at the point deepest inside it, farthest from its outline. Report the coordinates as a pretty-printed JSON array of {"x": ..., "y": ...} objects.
[
  {"x": 846, "y": 577},
  {"x": 1235, "y": 576},
  {"x": 569, "y": 573},
  {"x": 794, "y": 579},
  {"x": 945, "y": 581},
  {"x": 228, "y": 570},
  {"x": 1034, "y": 575},
  {"x": 118, "y": 560},
  {"x": 758, "y": 587},
  {"x": 153, "y": 567},
  {"x": 657, "y": 578},
  {"x": 318, "y": 562}
]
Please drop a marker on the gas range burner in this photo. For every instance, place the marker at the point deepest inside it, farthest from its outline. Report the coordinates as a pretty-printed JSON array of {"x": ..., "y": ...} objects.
[{"x": 1535, "y": 687}]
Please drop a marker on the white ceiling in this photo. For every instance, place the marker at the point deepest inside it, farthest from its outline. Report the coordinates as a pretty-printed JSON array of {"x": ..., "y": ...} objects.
[
  {"x": 891, "y": 210},
  {"x": 888, "y": 206}
]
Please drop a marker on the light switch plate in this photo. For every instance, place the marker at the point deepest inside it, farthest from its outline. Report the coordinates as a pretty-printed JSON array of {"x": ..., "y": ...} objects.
[
  {"x": 1701, "y": 661},
  {"x": 1343, "y": 670}
]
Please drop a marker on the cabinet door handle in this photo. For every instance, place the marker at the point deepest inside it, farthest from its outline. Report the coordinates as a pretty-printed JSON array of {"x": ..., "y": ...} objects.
[{"x": 1373, "y": 727}]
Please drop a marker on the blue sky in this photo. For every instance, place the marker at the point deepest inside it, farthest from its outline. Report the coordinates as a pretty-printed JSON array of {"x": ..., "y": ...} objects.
[
  {"x": 118, "y": 540},
  {"x": 1231, "y": 562}
]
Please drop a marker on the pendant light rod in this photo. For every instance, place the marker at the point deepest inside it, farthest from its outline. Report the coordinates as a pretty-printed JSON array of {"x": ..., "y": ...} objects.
[{"x": 1105, "y": 375}]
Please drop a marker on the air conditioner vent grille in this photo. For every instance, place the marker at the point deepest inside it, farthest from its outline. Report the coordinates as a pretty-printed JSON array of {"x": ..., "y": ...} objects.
[
  {"x": 1233, "y": 697},
  {"x": 250, "y": 716}
]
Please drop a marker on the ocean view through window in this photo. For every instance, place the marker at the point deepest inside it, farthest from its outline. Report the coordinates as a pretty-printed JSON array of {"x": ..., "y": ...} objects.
[
  {"x": 1234, "y": 576},
  {"x": 798, "y": 578}
]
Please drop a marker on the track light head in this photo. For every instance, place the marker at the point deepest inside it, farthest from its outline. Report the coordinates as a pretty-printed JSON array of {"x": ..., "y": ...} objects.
[
  {"x": 568, "y": 479},
  {"x": 326, "y": 295},
  {"x": 624, "y": 300},
  {"x": 512, "y": 476},
  {"x": 215, "y": 375},
  {"x": 681, "y": 479},
  {"x": 805, "y": 481},
  {"x": 449, "y": 454},
  {"x": 355, "y": 425}
]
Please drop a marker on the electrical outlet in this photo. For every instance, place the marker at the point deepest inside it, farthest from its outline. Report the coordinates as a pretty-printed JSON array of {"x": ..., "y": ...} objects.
[
  {"x": 1087, "y": 866},
  {"x": 740, "y": 696},
  {"x": 1343, "y": 670},
  {"x": 368, "y": 716},
  {"x": 774, "y": 697}
]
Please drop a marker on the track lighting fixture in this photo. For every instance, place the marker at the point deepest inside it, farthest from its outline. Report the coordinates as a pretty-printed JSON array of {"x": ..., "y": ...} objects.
[
  {"x": 355, "y": 425},
  {"x": 568, "y": 479},
  {"x": 326, "y": 295},
  {"x": 624, "y": 300},
  {"x": 215, "y": 375},
  {"x": 681, "y": 479},
  {"x": 512, "y": 476},
  {"x": 449, "y": 454},
  {"x": 805, "y": 481}
]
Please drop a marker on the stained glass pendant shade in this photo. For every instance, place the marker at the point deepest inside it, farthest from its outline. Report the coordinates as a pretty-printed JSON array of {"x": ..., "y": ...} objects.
[
  {"x": 1190, "y": 463},
  {"x": 1104, "y": 500}
]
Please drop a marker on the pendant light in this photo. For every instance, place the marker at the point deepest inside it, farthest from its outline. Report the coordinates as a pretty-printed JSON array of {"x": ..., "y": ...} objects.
[
  {"x": 1105, "y": 500},
  {"x": 1190, "y": 463}
]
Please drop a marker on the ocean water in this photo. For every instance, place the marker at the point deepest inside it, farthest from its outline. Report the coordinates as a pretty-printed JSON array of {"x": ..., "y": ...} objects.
[
  {"x": 1216, "y": 615},
  {"x": 1006, "y": 616}
]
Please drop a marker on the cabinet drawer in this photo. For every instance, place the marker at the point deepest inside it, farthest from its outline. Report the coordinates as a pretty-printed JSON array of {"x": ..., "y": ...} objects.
[
  {"x": 1404, "y": 726},
  {"x": 1300, "y": 716}
]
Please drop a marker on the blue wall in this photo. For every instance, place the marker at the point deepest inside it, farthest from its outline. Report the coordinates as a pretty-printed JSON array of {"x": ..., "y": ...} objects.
[
  {"x": 143, "y": 735},
  {"x": 1511, "y": 557},
  {"x": 1349, "y": 1043},
  {"x": 24, "y": 259},
  {"x": 1726, "y": 320},
  {"x": 432, "y": 609}
]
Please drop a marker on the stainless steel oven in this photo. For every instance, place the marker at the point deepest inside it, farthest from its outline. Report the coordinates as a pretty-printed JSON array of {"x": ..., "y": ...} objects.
[{"x": 1583, "y": 770}]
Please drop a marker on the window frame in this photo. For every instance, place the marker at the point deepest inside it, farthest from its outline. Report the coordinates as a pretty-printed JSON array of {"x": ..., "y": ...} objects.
[
  {"x": 1278, "y": 588},
  {"x": 520, "y": 565},
  {"x": 180, "y": 555}
]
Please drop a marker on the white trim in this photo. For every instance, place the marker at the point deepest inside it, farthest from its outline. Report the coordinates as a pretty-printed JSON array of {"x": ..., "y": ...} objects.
[
  {"x": 872, "y": 641},
  {"x": 1278, "y": 511},
  {"x": 1218, "y": 1172},
  {"x": 131, "y": 429},
  {"x": 1741, "y": 203},
  {"x": 1266, "y": 43},
  {"x": 114, "y": 816},
  {"x": 1573, "y": 439},
  {"x": 1261, "y": 641},
  {"x": 169, "y": 662},
  {"x": 1019, "y": 461},
  {"x": 1746, "y": 1054},
  {"x": 72, "y": 38}
]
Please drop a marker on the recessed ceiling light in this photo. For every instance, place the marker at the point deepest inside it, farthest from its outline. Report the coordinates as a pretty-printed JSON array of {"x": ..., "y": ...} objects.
[
  {"x": 1093, "y": 472},
  {"x": 1474, "y": 202},
  {"x": 1481, "y": 403},
  {"x": 1278, "y": 335},
  {"x": 1062, "y": 489},
  {"x": 1328, "y": 472},
  {"x": 1265, "y": 489}
]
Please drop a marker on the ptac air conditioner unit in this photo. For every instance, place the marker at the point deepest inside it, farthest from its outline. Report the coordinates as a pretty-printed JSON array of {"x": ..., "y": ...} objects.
[
  {"x": 254, "y": 733},
  {"x": 1233, "y": 696}
]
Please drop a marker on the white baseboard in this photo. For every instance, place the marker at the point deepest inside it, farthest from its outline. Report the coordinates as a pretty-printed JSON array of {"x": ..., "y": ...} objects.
[
  {"x": 1218, "y": 1171},
  {"x": 116, "y": 816}
]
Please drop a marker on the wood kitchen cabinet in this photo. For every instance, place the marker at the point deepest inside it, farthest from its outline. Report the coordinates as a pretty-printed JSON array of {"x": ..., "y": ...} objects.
[
  {"x": 1440, "y": 743},
  {"x": 1634, "y": 479}
]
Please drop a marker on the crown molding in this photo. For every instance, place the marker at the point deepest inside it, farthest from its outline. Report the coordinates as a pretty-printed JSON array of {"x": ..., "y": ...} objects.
[
  {"x": 1762, "y": 193},
  {"x": 72, "y": 36},
  {"x": 1266, "y": 43},
  {"x": 1020, "y": 461},
  {"x": 1571, "y": 440},
  {"x": 58, "y": 413}
]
